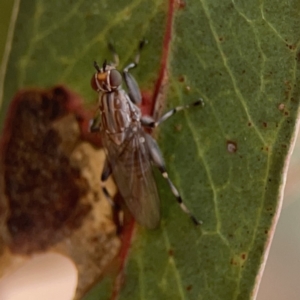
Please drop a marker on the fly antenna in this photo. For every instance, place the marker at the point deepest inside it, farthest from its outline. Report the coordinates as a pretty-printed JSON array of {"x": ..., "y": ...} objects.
[
  {"x": 96, "y": 66},
  {"x": 104, "y": 65}
]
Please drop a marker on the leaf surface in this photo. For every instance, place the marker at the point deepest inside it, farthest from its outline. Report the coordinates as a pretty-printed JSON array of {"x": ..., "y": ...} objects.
[{"x": 227, "y": 158}]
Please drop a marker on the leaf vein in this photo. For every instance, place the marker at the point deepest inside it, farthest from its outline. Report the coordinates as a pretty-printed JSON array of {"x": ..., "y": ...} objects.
[{"x": 238, "y": 92}]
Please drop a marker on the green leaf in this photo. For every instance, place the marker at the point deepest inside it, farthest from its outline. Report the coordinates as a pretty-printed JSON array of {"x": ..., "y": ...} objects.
[
  {"x": 227, "y": 159},
  {"x": 58, "y": 42},
  {"x": 5, "y": 13}
]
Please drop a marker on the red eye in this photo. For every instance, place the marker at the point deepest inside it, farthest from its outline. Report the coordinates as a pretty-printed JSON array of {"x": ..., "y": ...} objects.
[
  {"x": 93, "y": 83},
  {"x": 115, "y": 78}
]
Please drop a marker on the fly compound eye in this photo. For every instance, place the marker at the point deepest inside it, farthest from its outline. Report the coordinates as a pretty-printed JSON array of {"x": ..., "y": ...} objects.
[{"x": 115, "y": 78}]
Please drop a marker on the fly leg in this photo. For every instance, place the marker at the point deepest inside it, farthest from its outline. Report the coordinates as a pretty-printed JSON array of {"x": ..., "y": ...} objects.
[
  {"x": 117, "y": 211},
  {"x": 114, "y": 53},
  {"x": 94, "y": 124},
  {"x": 133, "y": 88},
  {"x": 158, "y": 161},
  {"x": 149, "y": 122},
  {"x": 105, "y": 174}
]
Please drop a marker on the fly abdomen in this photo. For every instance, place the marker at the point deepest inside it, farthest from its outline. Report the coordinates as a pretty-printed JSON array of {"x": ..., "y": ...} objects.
[{"x": 135, "y": 156}]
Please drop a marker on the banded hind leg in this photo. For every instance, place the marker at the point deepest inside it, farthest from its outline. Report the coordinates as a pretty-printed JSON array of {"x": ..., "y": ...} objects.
[
  {"x": 148, "y": 121},
  {"x": 158, "y": 161}
]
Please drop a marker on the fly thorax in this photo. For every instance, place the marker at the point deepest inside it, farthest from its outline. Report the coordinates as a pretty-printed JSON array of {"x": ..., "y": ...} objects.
[{"x": 116, "y": 115}]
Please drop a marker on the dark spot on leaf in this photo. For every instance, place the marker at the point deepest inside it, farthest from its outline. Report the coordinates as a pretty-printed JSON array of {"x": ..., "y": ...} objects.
[
  {"x": 221, "y": 39},
  {"x": 231, "y": 146},
  {"x": 243, "y": 256},
  {"x": 178, "y": 127},
  {"x": 181, "y": 78},
  {"x": 171, "y": 252},
  {"x": 265, "y": 124},
  {"x": 180, "y": 4},
  {"x": 189, "y": 287},
  {"x": 286, "y": 113},
  {"x": 291, "y": 47},
  {"x": 249, "y": 124},
  {"x": 288, "y": 89}
]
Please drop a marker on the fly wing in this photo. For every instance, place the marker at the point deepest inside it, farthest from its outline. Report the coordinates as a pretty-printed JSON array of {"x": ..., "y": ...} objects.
[{"x": 132, "y": 171}]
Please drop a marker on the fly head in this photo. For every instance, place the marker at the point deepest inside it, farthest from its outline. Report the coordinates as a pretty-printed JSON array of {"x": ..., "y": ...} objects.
[{"x": 106, "y": 79}]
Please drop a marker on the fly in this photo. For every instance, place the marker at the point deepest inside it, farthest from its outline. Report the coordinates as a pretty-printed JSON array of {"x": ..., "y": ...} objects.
[{"x": 130, "y": 151}]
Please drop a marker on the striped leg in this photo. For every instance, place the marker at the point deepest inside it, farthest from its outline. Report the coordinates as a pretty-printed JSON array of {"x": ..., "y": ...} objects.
[
  {"x": 158, "y": 161},
  {"x": 148, "y": 121},
  {"x": 178, "y": 197},
  {"x": 114, "y": 53},
  {"x": 137, "y": 57}
]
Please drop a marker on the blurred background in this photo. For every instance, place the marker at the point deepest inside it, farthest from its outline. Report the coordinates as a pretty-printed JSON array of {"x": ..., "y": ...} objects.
[
  {"x": 282, "y": 273},
  {"x": 54, "y": 276}
]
